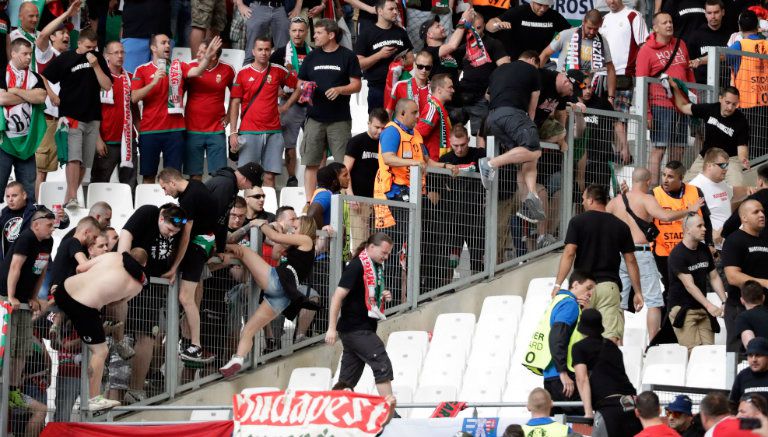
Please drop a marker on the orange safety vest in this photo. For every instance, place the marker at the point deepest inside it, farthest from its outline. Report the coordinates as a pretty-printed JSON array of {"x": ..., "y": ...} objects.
[
  {"x": 411, "y": 147},
  {"x": 502, "y": 4},
  {"x": 671, "y": 233},
  {"x": 752, "y": 78}
]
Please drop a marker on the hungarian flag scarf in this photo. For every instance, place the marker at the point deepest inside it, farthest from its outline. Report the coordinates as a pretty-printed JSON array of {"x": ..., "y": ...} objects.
[
  {"x": 175, "y": 94},
  {"x": 445, "y": 123},
  {"x": 292, "y": 56},
  {"x": 476, "y": 51},
  {"x": 373, "y": 277},
  {"x": 126, "y": 137},
  {"x": 29, "y": 129},
  {"x": 573, "y": 59}
]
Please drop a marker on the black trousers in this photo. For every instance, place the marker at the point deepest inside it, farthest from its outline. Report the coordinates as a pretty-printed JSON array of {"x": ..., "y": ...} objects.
[{"x": 555, "y": 388}]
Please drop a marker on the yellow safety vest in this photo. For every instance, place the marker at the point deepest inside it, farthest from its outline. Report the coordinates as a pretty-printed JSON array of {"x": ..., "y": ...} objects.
[
  {"x": 553, "y": 429},
  {"x": 539, "y": 356},
  {"x": 752, "y": 77},
  {"x": 671, "y": 233}
]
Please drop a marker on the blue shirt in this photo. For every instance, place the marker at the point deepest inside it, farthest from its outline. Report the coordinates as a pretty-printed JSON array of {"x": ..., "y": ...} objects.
[
  {"x": 735, "y": 60},
  {"x": 390, "y": 143},
  {"x": 323, "y": 199},
  {"x": 566, "y": 311},
  {"x": 539, "y": 421}
]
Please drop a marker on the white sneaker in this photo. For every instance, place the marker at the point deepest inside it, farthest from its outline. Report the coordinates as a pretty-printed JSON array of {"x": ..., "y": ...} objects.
[
  {"x": 232, "y": 367},
  {"x": 99, "y": 402}
]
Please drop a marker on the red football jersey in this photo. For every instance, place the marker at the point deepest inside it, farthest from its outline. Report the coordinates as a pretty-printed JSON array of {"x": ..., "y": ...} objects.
[
  {"x": 262, "y": 116},
  {"x": 111, "y": 128},
  {"x": 154, "y": 116},
  {"x": 205, "y": 98}
]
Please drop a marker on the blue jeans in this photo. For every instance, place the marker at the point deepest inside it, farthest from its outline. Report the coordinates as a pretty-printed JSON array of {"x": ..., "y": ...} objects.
[
  {"x": 24, "y": 170},
  {"x": 375, "y": 97},
  {"x": 181, "y": 22}
]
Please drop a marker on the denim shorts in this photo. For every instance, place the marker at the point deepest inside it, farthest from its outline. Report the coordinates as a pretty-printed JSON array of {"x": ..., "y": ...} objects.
[
  {"x": 151, "y": 145},
  {"x": 649, "y": 280},
  {"x": 200, "y": 145},
  {"x": 265, "y": 149},
  {"x": 669, "y": 127},
  {"x": 274, "y": 293}
]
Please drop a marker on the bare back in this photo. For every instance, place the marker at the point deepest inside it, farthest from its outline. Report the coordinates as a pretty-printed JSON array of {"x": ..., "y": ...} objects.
[
  {"x": 106, "y": 281},
  {"x": 637, "y": 203}
]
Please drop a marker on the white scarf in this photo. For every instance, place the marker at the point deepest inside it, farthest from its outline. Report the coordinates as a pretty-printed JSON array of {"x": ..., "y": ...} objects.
[
  {"x": 126, "y": 138},
  {"x": 573, "y": 59},
  {"x": 175, "y": 101}
]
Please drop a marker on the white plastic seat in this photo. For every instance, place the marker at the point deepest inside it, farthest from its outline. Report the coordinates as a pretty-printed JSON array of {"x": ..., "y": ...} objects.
[
  {"x": 485, "y": 374},
  {"x": 365, "y": 384},
  {"x": 431, "y": 394},
  {"x": 635, "y": 337},
  {"x": 120, "y": 217},
  {"x": 52, "y": 193},
  {"x": 270, "y": 199},
  {"x": 706, "y": 367},
  {"x": 520, "y": 382},
  {"x": 404, "y": 395},
  {"x": 118, "y": 196},
  {"x": 151, "y": 194},
  {"x": 233, "y": 57},
  {"x": 408, "y": 340},
  {"x": 540, "y": 292},
  {"x": 667, "y": 354},
  {"x": 665, "y": 364},
  {"x": 506, "y": 305},
  {"x": 293, "y": 196},
  {"x": 209, "y": 415},
  {"x": 633, "y": 363},
  {"x": 443, "y": 367},
  {"x": 402, "y": 357},
  {"x": 480, "y": 393},
  {"x": 256, "y": 390},
  {"x": 184, "y": 54},
  {"x": 454, "y": 330},
  {"x": 310, "y": 378},
  {"x": 406, "y": 376},
  {"x": 493, "y": 341}
]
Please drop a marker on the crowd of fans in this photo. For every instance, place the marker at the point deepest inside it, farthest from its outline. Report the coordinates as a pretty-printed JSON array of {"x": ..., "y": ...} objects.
[{"x": 429, "y": 69}]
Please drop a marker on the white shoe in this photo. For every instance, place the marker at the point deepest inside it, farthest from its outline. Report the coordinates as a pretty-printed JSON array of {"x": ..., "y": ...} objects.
[
  {"x": 99, "y": 402},
  {"x": 232, "y": 367}
]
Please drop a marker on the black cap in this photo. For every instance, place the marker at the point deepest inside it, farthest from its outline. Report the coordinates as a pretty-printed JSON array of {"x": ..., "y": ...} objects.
[
  {"x": 253, "y": 172},
  {"x": 426, "y": 25},
  {"x": 591, "y": 323},
  {"x": 758, "y": 346},
  {"x": 579, "y": 80}
]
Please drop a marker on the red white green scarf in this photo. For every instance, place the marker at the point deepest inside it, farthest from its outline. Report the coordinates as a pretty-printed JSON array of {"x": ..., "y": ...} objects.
[
  {"x": 573, "y": 59},
  {"x": 126, "y": 138},
  {"x": 175, "y": 95},
  {"x": 12, "y": 81},
  {"x": 373, "y": 277},
  {"x": 476, "y": 51},
  {"x": 445, "y": 124}
]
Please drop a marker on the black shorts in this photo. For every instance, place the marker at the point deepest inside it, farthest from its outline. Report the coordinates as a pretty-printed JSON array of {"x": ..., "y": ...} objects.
[
  {"x": 513, "y": 128},
  {"x": 192, "y": 264},
  {"x": 86, "y": 320},
  {"x": 361, "y": 348},
  {"x": 144, "y": 311}
]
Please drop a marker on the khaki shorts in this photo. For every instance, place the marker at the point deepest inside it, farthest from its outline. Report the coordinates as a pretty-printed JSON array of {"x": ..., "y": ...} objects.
[
  {"x": 606, "y": 299},
  {"x": 209, "y": 14},
  {"x": 81, "y": 142},
  {"x": 696, "y": 330},
  {"x": 46, "y": 157},
  {"x": 319, "y": 137},
  {"x": 21, "y": 333}
]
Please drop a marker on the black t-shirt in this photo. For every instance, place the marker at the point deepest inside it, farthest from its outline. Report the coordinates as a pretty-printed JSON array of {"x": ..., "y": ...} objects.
[
  {"x": 65, "y": 264},
  {"x": 372, "y": 41},
  {"x": 144, "y": 18},
  {"x": 328, "y": 70},
  {"x": 732, "y": 224},
  {"x": 198, "y": 202},
  {"x": 549, "y": 99},
  {"x": 365, "y": 18},
  {"x": 447, "y": 64},
  {"x": 605, "y": 365},
  {"x": 365, "y": 150},
  {"x": 529, "y": 31},
  {"x": 476, "y": 79},
  {"x": 748, "y": 253},
  {"x": 354, "y": 313},
  {"x": 727, "y": 133},
  {"x": 699, "y": 41},
  {"x": 601, "y": 239},
  {"x": 79, "y": 87},
  {"x": 687, "y": 16},
  {"x": 598, "y": 145},
  {"x": 11, "y": 226},
  {"x": 755, "y": 320},
  {"x": 463, "y": 198},
  {"x": 143, "y": 226},
  {"x": 748, "y": 381},
  {"x": 38, "y": 255},
  {"x": 512, "y": 85},
  {"x": 697, "y": 263}
]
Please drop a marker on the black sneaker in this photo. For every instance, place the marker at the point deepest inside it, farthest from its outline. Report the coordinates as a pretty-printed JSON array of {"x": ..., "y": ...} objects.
[
  {"x": 184, "y": 343},
  {"x": 196, "y": 354},
  {"x": 292, "y": 182}
]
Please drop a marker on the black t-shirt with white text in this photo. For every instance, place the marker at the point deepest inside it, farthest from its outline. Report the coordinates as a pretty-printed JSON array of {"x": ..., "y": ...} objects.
[
  {"x": 699, "y": 41},
  {"x": 199, "y": 204},
  {"x": 748, "y": 381},
  {"x": 512, "y": 85},
  {"x": 549, "y": 99},
  {"x": 747, "y": 252},
  {"x": 373, "y": 40},
  {"x": 687, "y": 16},
  {"x": 476, "y": 79},
  {"x": 329, "y": 70},
  {"x": 529, "y": 31},
  {"x": 79, "y": 86},
  {"x": 601, "y": 239},
  {"x": 65, "y": 264},
  {"x": 11, "y": 226},
  {"x": 365, "y": 150},
  {"x": 37, "y": 253},
  {"x": 727, "y": 133},
  {"x": 354, "y": 313},
  {"x": 697, "y": 263},
  {"x": 143, "y": 226}
]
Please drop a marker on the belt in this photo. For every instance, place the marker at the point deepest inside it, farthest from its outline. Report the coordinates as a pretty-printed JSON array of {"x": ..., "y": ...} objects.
[
  {"x": 642, "y": 248},
  {"x": 272, "y": 4}
]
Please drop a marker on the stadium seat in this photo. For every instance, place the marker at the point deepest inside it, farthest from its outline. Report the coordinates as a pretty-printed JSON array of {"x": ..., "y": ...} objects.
[
  {"x": 118, "y": 196},
  {"x": 233, "y": 57},
  {"x": 453, "y": 330},
  {"x": 270, "y": 199},
  {"x": 520, "y": 382},
  {"x": 494, "y": 340},
  {"x": 633, "y": 363},
  {"x": 480, "y": 393},
  {"x": 405, "y": 357},
  {"x": 665, "y": 364},
  {"x": 406, "y": 376},
  {"x": 52, "y": 193},
  {"x": 209, "y": 415},
  {"x": 293, "y": 196},
  {"x": 635, "y": 337},
  {"x": 502, "y": 305},
  {"x": 404, "y": 395},
  {"x": 485, "y": 374},
  {"x": 408, "y": 340},
  {"x": 310, "y": 378},
  {"x": 539, "y": 292},
  {"x": 184, "y": 54},
  {"x": 443, "y": 367},
  {"x": 706, "y": 367},
  {"x": 431, "y": 394},
  {"x": 120, "y": 217},
  {"x": 151, "y": 194},
  {"x": 256, "y": 390}
]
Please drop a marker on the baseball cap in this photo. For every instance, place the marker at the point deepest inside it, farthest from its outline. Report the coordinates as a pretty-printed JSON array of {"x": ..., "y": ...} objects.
[
  {"x": 544, "y": 2},
  {"x": 253, "y": 172},
  {"x": 681, "y": 404},
  {"x": 579, "y": 81},
  {"x": 426, "y": 25},
  {"x": 758, "y": 346}
]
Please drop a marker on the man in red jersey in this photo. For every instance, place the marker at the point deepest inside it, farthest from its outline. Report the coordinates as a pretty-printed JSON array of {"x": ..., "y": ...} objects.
[
  {"x": 205, "y": 115},
  {"x": 254, "y": 100},
  {"x": 417, "y": 87},
  {"x": 116, "y": 144},
  {"x": 160, "y": 85}
]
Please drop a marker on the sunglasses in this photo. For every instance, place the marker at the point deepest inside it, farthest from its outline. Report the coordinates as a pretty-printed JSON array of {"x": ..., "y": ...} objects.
[
  {"x": 49, "y": 215},
  {"x": 258, "y": 196},
  {"x": 722, "y": 165},
  {"x": 299, "y": 20},
  {"x": 178, "y": 221},
  {"x": 674, "y": 414},
  {"x": 423, "y": 67}
]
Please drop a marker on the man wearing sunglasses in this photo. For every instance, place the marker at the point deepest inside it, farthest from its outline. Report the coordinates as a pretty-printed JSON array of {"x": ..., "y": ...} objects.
[
  {"x": 681, "y": 419},
  {"x": 417, "y": 87}
]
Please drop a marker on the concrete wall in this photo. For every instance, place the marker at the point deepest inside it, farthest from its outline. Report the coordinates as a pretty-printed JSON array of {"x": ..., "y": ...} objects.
[{"x": 277, "y": 373}]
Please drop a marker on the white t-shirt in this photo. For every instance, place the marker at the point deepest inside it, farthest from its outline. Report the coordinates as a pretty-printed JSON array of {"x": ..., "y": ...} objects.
[
  {"x": 621, "y": 33},
  {"x": 718, "y": 197},
  {"x": 43, "y": 58}
]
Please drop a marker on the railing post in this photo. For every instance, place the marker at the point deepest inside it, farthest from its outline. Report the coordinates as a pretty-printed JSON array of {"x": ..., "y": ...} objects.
[
  {"x": 257, "y": 240},
  {"x": 414, "y": 237},
  {"x": 85, "y": 389},
  {"x": 713, "y": 68},
  {"x": 640, "y": 105},
  {"x": 4, "y": 410},
  {"x": 566, "y": 191},
  {"x": 336, "y": 255},
  {"x": 172, "y": 340},
  {"x": 492, "y": 214}
]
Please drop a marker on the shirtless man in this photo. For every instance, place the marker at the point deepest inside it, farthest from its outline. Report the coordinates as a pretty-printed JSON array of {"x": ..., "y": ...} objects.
[
  {"x": 646, "y": 208},
  {"x": 108, "y": 278}
]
